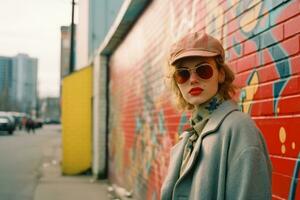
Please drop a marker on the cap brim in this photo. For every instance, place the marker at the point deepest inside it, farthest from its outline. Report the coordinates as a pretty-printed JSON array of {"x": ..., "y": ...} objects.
[{"x": 193, "y": 53}]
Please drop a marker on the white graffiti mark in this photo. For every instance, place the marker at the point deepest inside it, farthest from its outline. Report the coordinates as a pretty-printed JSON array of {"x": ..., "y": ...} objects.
[
  {"x": 214, "y": 20},
  {"x": 180, "y": 25}
]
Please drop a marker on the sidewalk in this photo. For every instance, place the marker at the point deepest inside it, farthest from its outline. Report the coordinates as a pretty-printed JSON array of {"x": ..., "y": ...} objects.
[{"x": 52, "y": 185}]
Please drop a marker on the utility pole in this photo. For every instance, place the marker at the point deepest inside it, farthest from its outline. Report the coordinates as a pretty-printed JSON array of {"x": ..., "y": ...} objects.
[{"x": 72, "y": 40}]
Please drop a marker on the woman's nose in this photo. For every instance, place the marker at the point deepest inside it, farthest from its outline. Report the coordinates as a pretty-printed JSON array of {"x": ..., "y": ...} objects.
[{"x": 194, "y": 77}]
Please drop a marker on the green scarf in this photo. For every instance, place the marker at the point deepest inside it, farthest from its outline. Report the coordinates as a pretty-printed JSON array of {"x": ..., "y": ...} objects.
[
  {"x": 198, "y": 120},
  {"x": 202, "y": 112}
]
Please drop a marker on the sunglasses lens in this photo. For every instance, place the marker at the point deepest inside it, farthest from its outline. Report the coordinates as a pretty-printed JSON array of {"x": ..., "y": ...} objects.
[
  {"x": 204, "y": 71},
  {"x": 181, "y": 76}
]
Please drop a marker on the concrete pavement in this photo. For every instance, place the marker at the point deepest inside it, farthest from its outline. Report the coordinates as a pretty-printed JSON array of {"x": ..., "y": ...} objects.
[{"x": 53, "y": 185}]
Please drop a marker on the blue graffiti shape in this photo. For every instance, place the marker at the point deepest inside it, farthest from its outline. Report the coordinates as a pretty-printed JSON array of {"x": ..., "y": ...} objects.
[
  {"x": 294, "y": 179},
  {"x": 282, "y": 67}
]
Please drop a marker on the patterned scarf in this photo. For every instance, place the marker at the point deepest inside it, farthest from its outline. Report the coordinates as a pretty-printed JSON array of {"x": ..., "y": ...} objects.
[{"x": 198, "y": 120}]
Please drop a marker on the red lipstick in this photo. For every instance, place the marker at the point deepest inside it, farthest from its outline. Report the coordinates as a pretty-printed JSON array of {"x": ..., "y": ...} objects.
[{"x": 195, "y": 91}]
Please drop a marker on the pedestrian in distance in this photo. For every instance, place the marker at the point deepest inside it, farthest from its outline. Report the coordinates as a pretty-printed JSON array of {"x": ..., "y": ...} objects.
[
  {"x": 223, "y": 155},
  {"x": 30, "y": 126}
]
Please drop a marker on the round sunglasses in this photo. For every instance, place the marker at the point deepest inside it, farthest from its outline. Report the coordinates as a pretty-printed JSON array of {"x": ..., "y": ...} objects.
[{"x": 204, "y": 71}]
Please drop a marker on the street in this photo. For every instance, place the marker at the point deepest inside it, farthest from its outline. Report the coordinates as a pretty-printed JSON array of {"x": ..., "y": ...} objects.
[{"x": 21, "y": 159}]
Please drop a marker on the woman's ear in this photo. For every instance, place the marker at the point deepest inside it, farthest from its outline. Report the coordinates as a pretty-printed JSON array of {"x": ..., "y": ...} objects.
[{"x": 221, "y": 75}]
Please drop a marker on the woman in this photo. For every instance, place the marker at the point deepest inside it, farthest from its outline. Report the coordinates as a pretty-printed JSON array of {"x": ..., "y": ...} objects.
[{"x": 223, "y": 155}]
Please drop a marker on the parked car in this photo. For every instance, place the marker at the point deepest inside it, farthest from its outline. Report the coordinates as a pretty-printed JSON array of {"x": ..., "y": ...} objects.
[
  {"x": 12, "y": 122},
  {"x": 52, "y": 121},
  {"x": 6, "y": 125}
]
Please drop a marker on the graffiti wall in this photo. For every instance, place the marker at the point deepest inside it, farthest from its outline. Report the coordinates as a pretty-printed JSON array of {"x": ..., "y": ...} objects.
[{"x": 262, "y": 42}]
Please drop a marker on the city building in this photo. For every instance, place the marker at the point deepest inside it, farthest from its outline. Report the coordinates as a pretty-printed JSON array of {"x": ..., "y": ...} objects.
[
  {"x": 18, "y": 83},
  {"x": 6, "y": 82},
  {"x": 25, "y": 71}
]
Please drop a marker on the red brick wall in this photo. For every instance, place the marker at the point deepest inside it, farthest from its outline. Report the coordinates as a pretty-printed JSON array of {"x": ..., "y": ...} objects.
[{"x": 262, "y": 39}]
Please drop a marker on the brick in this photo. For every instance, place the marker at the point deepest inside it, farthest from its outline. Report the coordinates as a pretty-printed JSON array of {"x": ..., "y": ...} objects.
[
  {"x": 295, "y": 63},
  {"x": 265, "y": 91},
  {"x": 247, "y": 62},
  {"x": 291, "y": 45},
  {"x": 289, "y": 105},
  {"x": 271, "y": 37},
  {"x": 283, "y": 69},
  {"x": 262, "y": 108},
  {"x": 291, "y": 27},
  {"x": 242, "y": 78},
  {"x": 232, "y": 26},
  {"x": 251, "y": 45},
  {"x": 267, "y": 73},
  {"x": 233, "y": 55},
  {"x": 267, "y": 56},
  {"x": 229, "y": 41}
]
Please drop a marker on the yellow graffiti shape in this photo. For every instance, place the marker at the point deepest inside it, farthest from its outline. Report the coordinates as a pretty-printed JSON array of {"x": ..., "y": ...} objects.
[
  {"x": 249, "y": 18},
  {"x": 250, "y": 92},
  {"x": 293, "y": 145},
  {"x": 282, "y": 138}
]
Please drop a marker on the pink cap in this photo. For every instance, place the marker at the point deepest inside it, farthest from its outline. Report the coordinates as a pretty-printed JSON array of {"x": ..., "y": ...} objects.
[{"x": 196, "y": 44}]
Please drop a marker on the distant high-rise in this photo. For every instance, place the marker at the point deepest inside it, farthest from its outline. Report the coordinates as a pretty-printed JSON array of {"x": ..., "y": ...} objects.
[
  {"x": 6, "y": 82},
  {"x": 25, "y": 83},
  {"x": 18, "y": 83}
]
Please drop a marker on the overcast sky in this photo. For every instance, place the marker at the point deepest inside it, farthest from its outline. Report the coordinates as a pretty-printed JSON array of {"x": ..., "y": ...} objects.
[{"x": 33, "y": 27}]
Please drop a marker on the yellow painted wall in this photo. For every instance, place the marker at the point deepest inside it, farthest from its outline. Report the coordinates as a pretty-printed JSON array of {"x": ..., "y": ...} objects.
[{"x": 77, "y": 121}]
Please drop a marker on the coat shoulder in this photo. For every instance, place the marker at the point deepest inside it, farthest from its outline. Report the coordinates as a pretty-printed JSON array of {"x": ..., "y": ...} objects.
[{"x": 242, "y": 129}]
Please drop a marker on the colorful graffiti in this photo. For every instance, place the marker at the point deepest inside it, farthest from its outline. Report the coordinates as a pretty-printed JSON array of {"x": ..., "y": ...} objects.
[
  {"x": 280, "y": 59},
  {"x": 262, "y": 44}
]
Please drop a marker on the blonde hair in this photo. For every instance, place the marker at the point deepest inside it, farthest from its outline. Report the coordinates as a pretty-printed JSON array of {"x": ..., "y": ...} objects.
[{"x": 226, "y": 89}]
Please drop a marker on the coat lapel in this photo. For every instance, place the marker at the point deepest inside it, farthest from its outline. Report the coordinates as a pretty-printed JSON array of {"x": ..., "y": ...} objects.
[
  {"x": 177, "y": 154},
  {"x": 174, "y": 167},
  {"x": 212, "y": 124}
]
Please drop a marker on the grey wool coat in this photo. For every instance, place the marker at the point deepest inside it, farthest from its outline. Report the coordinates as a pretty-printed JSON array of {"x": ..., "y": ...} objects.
[{"x": 229, "y": 161}]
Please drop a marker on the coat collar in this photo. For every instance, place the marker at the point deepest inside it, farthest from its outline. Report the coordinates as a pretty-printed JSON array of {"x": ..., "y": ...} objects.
[{"x": 212, "y": 125}]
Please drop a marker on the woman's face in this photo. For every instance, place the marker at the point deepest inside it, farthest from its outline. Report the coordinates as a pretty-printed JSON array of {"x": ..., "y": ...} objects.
[{"x": 200, "y": 82}]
